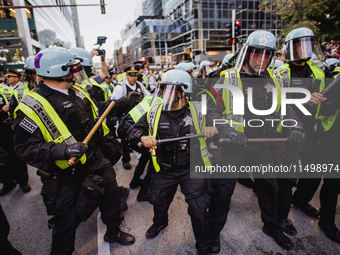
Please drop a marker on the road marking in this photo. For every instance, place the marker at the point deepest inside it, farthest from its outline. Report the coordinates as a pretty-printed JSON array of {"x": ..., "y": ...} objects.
[{"x": 103, "y": 247}]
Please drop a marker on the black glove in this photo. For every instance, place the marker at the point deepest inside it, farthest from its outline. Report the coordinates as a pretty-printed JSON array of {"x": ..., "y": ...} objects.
[
  {"x": 296, "y": 135},
  {"x": 75, "y": 150},
  {"x": 134, "y": 98},
  {"x": 238, "y": 139}
]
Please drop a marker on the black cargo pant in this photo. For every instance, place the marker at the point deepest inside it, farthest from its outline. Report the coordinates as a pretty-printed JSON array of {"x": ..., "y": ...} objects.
[
  {"x": 66, "y": 218},
  {"x": 309, "y": 154},
  {"x": 144, "y": 159},
  {"x": 331, "y": 187},
  {"x": 126, "y": 148},
  {"x": 163, "y": 188},
  {"x": 223, "y": 188},
  {"x": 17, "y": 168},
  {"x": 5, "y": 246}
]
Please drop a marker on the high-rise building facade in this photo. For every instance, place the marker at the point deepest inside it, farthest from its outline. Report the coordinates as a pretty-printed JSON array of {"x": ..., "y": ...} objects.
[
  {"x": 192, "y": 30},
  {"x": 25, "y": 31}
]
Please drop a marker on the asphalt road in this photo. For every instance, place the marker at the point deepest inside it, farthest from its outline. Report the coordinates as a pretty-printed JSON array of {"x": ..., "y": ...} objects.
[{"x": 241, "y": 235}]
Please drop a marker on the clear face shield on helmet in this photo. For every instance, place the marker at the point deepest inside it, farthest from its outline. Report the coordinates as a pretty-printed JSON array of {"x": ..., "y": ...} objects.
[
  {"x": 80, "y": 77},
  {"x": 172, "y": 95},
  {"x": 255, "y": 60},
  {"x": 302, "y": 49}
]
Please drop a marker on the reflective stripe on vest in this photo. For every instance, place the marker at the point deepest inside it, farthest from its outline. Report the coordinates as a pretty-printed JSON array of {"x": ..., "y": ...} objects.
[
  {"x": 199, "y": 124},
  {"x": 53, "y": 129},
  {"x": 232, "y": 77},
  {"x": 7, "y": 92},
  {"x": 153, "y": 120},
  {"x": 198, "y": 119},
  {"x": 145, "y": 79},
  {"x": 317, "y": 68},
  {"x": 21, "y": 91},
  {"x": 143, "y": 107},
  {"x": 121, "y": 77},
  {"x": 94, "y": 83},
  {"x": 107, "y": 89},
  {"x": 95, "y": 110}
]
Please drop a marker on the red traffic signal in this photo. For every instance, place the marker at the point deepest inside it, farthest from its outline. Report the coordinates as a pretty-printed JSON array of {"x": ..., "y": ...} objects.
[
  {"x": 233, "y": 40},
  {"x": 238, "y": 22}
]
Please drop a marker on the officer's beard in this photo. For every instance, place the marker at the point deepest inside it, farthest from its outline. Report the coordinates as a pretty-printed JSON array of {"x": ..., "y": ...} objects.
[{"x": 69, "y": 82}]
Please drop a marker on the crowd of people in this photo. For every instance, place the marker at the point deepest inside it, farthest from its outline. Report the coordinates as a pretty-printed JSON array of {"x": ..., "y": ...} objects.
[{"x": 50, "y": 119}]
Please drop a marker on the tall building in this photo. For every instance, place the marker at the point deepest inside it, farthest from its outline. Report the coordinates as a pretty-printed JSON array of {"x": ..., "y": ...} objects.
[
  {"x": 190, "y": 30},
  {"x": 25, "y": 31}
]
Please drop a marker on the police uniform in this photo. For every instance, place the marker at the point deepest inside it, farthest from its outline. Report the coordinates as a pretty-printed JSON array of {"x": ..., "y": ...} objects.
[
  {"x": 17, "y": 169},
  {"x": 330, "y": 146},
  {"x": 97, "y": 91},
  {"x": 127, "y": 122},
  {"x": 309, "y": 76},
  {"x": 123, "y": 90},
  {"x": 269, "y": 190},
  {"x": 175, "y": 169},
  {"x": 41, "y": 139}
]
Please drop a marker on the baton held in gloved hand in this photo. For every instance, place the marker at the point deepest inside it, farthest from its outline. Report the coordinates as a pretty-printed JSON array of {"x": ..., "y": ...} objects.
[
  {"x": 72, "y": 160},
  {"x": 255, "y": 140},
  {"x": 140, "y": 144},
  {"x": 328, "y": 88}
]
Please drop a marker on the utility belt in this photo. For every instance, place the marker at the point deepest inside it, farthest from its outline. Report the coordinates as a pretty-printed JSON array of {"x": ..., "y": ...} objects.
[
  {"x": 179, "y": 151},
  {"x": 91, "y": 191},
  {"x": 51, "y": 184}
]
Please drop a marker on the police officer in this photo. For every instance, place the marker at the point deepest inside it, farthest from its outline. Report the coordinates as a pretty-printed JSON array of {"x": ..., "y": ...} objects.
[
  {"x": 300, "y": 71},
  {"x": 85, "y": 58},
  {"x": 108, "y": 85},
  {"x": 50, "y": 124},
  {"x": 13, "y": 79},
  {"x": 173, "y": 118},
  {"x": 127, "y": 122},
  {"x": 250, "y": 73},
  {"x": 30, "y": 78},
  {"x": 142, "y": 77},
  {"x": 129, "y": 86},
  {"x": 334, "y": 65},
  {"x": 113, "y": 77},
  {"x": 16, "y": 172},
  {"x": 205, "y": 67}
]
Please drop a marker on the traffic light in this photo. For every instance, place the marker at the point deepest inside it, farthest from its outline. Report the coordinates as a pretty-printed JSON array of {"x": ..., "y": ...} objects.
[
  {"x": 229, "y": 29},
  {"x": 102, "y": 6},
  {"x": 237, "y": 28}
]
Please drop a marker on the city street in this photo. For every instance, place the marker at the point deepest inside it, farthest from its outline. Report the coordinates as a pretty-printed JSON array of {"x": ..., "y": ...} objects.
[{"x": 241, "y": 235}]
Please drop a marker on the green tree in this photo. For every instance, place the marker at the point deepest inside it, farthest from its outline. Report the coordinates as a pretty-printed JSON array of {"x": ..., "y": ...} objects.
[{"x": 322, "y": 16}]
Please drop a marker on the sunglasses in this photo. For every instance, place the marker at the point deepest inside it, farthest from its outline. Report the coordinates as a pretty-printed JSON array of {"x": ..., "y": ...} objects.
[
  {"x": 9, "y": 76},
  {"x": 132, "y": 74}
]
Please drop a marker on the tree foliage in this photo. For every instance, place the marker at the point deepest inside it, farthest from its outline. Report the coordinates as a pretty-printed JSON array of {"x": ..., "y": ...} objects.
[{"x": 322, "y": 16}]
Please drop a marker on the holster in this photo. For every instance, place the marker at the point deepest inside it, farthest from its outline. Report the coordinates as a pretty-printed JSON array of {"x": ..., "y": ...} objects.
[
  {"x": 92, "y": 190},
  {"x": 51, "y": 187}
]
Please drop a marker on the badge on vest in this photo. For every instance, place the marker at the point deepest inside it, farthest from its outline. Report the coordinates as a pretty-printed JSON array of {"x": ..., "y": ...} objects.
[
  {"x": 28, "y": 125},
  {"x": 67, "y": 105},
  {"x": 269, "y": 87},
  {"x": 297, "y": 82},
  {"x": 187, "y": 121}
]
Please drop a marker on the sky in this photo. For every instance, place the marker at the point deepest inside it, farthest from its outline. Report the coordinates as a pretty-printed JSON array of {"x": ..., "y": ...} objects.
[{"x": 92, "y": 23}]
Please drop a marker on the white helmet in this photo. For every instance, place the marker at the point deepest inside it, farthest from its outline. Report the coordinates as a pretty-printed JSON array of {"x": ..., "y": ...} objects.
[{"x": 54, "y": 62}]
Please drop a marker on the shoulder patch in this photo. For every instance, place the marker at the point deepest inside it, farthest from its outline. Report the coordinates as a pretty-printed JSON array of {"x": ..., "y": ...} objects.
[{"x": 28, "y": 125}]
